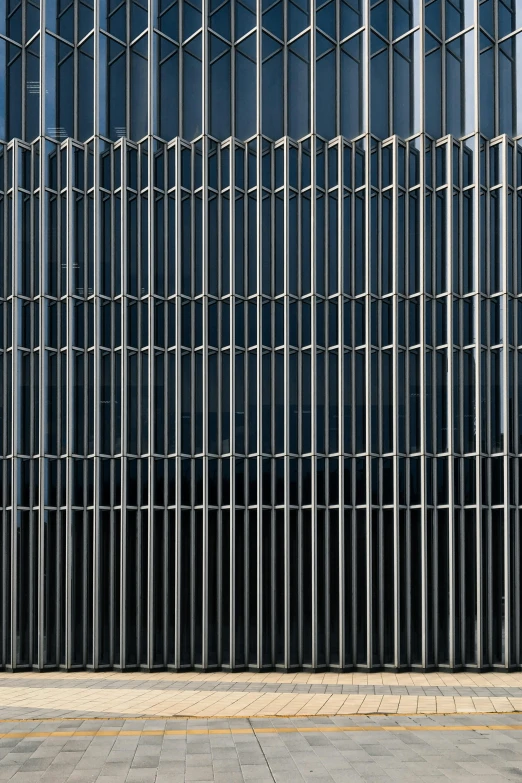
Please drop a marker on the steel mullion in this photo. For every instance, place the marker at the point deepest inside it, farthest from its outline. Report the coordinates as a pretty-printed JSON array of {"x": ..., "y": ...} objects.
[
  {"x": 122, "y": 151},
  {"x": 503, "y": 195},
  {"x": 449, "y": 296},
  {"x": 69, "y": 355},
  {"x": 398, "y": 652},
  {"x": 96, "y": 408},
  {"x": 286, "y": 441},
  {"x": 261, "y": 555},
  {"x": 39, "y": 284},
  {"x": 340, "y": 397}
]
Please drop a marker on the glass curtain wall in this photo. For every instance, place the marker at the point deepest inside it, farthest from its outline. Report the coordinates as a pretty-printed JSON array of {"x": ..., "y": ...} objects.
[{"x": 260, "y": 334}]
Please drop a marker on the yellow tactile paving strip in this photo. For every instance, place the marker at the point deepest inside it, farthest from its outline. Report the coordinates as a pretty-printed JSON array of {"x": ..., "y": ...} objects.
[
  {"x": 254, "y": 730},
  {"x": 128, "y": 694}
]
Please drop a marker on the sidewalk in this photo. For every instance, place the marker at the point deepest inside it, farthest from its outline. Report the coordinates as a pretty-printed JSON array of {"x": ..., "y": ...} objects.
[
  {"x": 357, "y": 749},
  {"x": 249, "y": 695}
]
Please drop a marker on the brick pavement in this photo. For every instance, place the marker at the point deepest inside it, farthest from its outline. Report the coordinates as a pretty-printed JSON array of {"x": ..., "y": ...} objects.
[{"x": 221, "y": 694}]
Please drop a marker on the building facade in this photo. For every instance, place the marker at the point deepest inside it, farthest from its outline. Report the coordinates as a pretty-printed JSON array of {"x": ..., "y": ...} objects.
[{"x": 260, "y": 333}]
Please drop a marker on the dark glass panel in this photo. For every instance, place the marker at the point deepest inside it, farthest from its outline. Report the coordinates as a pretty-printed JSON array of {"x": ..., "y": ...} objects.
[
  {"x": 272, "y": 104},
  {"x": 326, "y": 95},
  {"x": 245, "y": 89},
  {"x": 379, "y": 89}
]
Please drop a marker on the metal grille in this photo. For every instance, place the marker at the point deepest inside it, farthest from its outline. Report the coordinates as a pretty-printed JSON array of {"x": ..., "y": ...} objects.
[{"x": 260, "y": 335}]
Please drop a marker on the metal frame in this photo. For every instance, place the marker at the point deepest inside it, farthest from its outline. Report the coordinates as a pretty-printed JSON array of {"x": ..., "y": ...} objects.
[{"x": 279, "y": 572}]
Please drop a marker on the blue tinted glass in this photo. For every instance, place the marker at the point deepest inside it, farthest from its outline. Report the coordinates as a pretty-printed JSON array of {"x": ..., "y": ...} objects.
[
  {"x": 246, "y": 88},
  {"x": 350, "y": 13},
  {"x": 273, "y": 96},
  {"x": 220, "y": 103},
  {"x": 380, "y": 95},
  {"x": 326, "y": 95},
  {"x": 298, "y": 96},
  {"x": 433, "y": 17},
  {"x": 192, "y": 89},
  {"x": 326, "y": 19},
  {"x": 379, "y": 18},
  {"x": 273, "y": 19}
]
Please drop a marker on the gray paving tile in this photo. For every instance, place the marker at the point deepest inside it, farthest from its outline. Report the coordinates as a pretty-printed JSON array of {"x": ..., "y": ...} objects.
[
  {"x": 254, "y": 772},
  {"x": 38, "y": 764},
  {"x": 173, "y": 755},
  {"x": 116, "y": 768},
  {"x": 275, "y": 751},
  {"x": 15, "y": 758},
  {"x": 141, "y": 775},
  {"x": 120, "y": 755},
  {"x": 168, "y": 765},
  {"x": 280, "y": 765},
  {"x": 315, "y": 756},
  {"x": 91, "y": 763},
  {"x": 199, "y": 760},
  {"x": 110, "y": 779},
  {"x": 55, "y": 777},
  {"x": 223, "y": 765},
  {"x": 199, "y": 774},
  {"x": 225, "y": 777},
  {"x": 145, "y": 762},
  {"x": 346, "y": 777},
  {"x": 177, "y": 778},
  {"x": 368, "y": 769},
  {"x": 378, "y": 750},
  {"x": 67, "y": 757},
  {"x": 224, "y": 752},
  {"x": 82, "y": 776},
  {"x": 79, "y": 744},
  {"x": 250, "y": 757}
]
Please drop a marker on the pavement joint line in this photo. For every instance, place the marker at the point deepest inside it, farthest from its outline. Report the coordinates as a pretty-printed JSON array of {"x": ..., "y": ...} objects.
[
  {"x": 257, "y": 730},
  {"x": 261, "y": 716},
  {"x": 262, "y": 751}
]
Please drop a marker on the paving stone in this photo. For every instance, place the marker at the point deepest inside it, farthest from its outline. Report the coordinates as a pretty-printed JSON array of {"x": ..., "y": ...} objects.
[
  {"x": 67, "y": 757},
  {"x": 110, "y": 779},
  {"x": 225, "y": 777},
  {"x": 177, "y": 778},
  {"x": 145, "y": 762},
  {"x": 346, "y": 777},
  {"x": 38, "y": 764},
  {"x": 224, "y": 753},
  {"x": 82, "y": 776},
  {"x": 251, "y": 757},
  {"x": 303, "y": 754},
  {"x": 120, "y": 755},
  {"x": 378, "y": 750},
  {"x": 91, "y": 762},
  {"x": 55, "y": 777},
  {"x": 165, "y": 765},
  {"x": 199, "y": 760},
  {"x": 116, "y": 768},
  {"x": 141, "y": 775},
  {"x": 280, "y": 765},
  {"x": 335, "y": 763},
  {"x": 222, "y": 765},
  {"x": 14, "y": 758},
  {"x": 199, "y": 774},
  {"x": 254, "y": 772}
]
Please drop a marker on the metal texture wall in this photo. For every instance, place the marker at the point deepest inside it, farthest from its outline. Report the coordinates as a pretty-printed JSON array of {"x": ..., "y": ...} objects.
[{"x": 260, "y": 334}]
